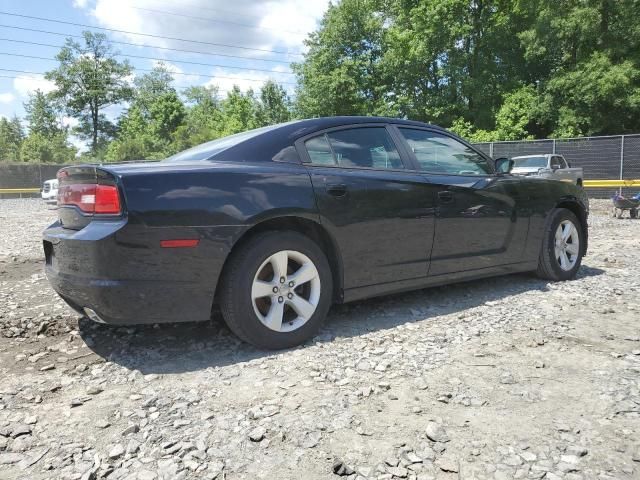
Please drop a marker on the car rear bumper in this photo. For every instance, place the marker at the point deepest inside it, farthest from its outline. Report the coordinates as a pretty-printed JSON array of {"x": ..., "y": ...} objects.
[
  {"x": 128, "y": 302},
  {"x": 118, "y": 275}
]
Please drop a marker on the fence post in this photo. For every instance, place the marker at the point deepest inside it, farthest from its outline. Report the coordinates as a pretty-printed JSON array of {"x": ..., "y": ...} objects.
[
  {"x": 491, "y": 149},
  {"x": 621, "y": 161},
  {"x": 554, "y": 146}
]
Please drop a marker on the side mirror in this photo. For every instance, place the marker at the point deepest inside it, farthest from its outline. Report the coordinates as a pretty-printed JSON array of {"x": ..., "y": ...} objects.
[{"x": 504, "y": 165}]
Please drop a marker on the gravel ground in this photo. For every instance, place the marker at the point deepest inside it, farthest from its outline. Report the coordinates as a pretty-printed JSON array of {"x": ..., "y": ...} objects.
[{"x": 504, "y": 378}]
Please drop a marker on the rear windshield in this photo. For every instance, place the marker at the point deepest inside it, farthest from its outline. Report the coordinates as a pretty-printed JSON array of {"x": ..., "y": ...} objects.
[
  {"x": 209, "y": 149},
  {"x": 539, "y": 162}
]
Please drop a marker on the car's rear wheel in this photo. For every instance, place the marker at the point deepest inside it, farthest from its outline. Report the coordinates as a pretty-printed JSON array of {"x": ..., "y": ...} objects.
[
  {"x": 561, "y": 253},
  {"x": 276, "y": 290}
]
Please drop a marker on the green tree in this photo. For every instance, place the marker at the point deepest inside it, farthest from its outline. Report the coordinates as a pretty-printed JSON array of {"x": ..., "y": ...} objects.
[
  {"x": 11, "y": 138},
  {"x": 152, "y": 85},
  {"x": 55, "y": 148},
  {"x": 274, "y": 106},
  {"x": 238, "y": 112},
  {"x": 41, "y": 114},
  {"x": 166, "y": 114},
  {"x": 503, "y": 68},
  {"x": 341, "y": 73},
  {"x": 203, "y": 120},
  {"x": 88, "y": 79},
  {"x": 146, "y": 130}
]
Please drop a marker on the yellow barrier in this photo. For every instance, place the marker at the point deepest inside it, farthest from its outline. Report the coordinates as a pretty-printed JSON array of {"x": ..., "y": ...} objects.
[
  {"x": 611, "y": 183},
  {"x": 19, "y": 190}
]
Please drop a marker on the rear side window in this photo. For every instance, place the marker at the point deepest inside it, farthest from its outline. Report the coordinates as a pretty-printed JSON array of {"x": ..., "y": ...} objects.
[
  {"x": 355, "y": 148},
  {"x": 320, "y": 151},
  {"x": 437, "y": 153}
]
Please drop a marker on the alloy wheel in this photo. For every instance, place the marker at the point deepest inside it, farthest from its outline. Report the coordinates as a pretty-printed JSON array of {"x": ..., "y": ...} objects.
[
  {"x": 285, "y": 291},
  {"x": 567, "y": 245}
]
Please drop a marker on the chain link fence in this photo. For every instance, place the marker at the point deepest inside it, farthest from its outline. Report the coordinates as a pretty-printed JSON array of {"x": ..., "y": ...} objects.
[
  {"x": 25, "y": 176},
  {"x": 602, "y": 158}
]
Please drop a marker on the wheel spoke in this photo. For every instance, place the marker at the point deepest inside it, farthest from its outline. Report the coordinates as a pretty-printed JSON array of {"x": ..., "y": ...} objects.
[
  {"x": 572, "y": 248},
  {"x": 567, "y": 231},
  {"x": 559, "y": 235},
  {"x": 261, "y": 289},
  {"x": 558, "y": 251},
  {"x": 302, "y": 307},
  {"x": 305, "y": 273},
  {"x": 279, "y": 262},
  {"x": 273, "y": 320},
  {"x": 564, "y": 261}
]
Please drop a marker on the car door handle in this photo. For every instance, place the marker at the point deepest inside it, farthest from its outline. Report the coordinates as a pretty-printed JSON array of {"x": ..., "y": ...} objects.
[
  {"x": 336, "y": 189},
  {"x": 446, "y": 196}
]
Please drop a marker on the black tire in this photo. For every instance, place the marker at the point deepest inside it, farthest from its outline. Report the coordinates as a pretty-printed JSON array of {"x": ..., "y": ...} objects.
[
  {"x": 548, "y": 265},
  {"x": 235, "y": 290},
  {"x": 633, "y": 213}
]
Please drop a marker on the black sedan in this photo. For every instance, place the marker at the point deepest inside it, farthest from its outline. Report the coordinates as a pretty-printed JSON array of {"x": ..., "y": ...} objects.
[{"x": 276, "y": 224}]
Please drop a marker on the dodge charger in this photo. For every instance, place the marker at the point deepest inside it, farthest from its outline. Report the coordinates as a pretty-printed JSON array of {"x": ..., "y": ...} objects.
[{"x": 274, "y": 225}]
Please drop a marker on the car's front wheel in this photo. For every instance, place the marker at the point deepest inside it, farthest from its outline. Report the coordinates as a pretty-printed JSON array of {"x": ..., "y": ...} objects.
[
  {"x": 562, "y": 246},
  {"x": 276, "y": 290}
]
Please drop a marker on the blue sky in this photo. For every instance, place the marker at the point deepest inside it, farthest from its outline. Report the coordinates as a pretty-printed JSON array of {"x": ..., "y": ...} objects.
[{"x": 261, "y": 28}]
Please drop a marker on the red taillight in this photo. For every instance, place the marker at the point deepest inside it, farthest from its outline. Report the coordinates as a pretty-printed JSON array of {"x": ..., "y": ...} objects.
[
  {"x": 91, "y": 198},
  {"x": 107, "y": 200}
]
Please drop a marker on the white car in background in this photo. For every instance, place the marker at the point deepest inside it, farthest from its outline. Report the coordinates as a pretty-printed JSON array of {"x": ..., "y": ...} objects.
[
  {"x": 49, "y": 192},
  {"x": 551, "y": 166}
]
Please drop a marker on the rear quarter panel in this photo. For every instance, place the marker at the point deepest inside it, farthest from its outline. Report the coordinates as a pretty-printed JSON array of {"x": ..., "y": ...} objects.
[
  {"x": 542, "y": 196},
  {"x": 213, "y": 202}
]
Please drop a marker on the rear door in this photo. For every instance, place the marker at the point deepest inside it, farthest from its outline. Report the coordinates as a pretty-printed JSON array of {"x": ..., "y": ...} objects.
[
  {"x": 478, "y": 223},
  {"x": 380, "y": 213}
]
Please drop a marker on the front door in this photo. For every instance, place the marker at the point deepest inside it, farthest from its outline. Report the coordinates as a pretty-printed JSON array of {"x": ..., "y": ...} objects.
[
  {"x": 380, "y": 214},
  {"x": 477, "y": 223}
]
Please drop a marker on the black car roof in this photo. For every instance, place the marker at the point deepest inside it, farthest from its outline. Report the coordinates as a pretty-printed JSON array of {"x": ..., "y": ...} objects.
[
  {"x": 276, "y": 142},
  {"x": 328, "y": 122}
]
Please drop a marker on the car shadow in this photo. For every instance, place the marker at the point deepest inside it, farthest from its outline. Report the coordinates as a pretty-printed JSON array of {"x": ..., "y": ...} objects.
[{"x": 187, "y": 347}]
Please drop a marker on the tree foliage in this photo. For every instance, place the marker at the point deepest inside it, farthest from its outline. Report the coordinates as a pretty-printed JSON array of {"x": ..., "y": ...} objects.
[
  {"x": 488, "y": 69},
  {"x": 11, "y": 138},
  {"x": 88, "y": 79},
  {"x": 159, "y": 123},
  {"x": 47, "y": 141},
  {"x": 492, "y": 69}
]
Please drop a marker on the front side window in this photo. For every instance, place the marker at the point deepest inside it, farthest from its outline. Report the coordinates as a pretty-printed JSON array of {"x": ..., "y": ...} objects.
[
  {"x": 370, "y": 147},
  {"x": 437, "y": 153},
  {"x": 562, "y": 162}
]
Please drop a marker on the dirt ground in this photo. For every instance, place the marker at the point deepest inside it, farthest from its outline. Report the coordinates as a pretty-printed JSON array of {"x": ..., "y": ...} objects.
[{"x": 507, "y": 378}]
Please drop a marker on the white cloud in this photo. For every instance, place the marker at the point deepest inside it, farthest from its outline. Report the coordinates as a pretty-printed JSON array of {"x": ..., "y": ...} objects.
[
  {"x": 7, "y": 97},
  {"x": 291, "y": 18},
  {"x": 278, "y": 24},
  {"x": 27, "y": 84},
  {"x": 80, "y": 3},
  {"x": 225, "y": 80}
]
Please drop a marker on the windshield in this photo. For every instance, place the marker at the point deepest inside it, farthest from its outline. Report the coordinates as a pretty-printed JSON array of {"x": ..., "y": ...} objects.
[
  {"x": 209, "y": 149},
  {"x": 527, "y": 162}
]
